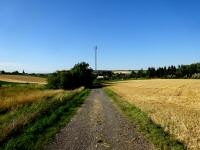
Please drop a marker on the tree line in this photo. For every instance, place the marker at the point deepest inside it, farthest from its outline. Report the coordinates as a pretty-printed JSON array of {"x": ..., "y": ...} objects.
[
  {"x": 13, "y": 73},
  {"x": 182, "y": 71},
  {"x": 23, "y": 73},
  {"x": 170, "y": 72},
  {"x": 82, "y": 75}
]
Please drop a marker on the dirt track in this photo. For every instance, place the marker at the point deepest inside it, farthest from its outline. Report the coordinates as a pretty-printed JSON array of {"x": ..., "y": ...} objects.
[{"x": 99, "y": 125}]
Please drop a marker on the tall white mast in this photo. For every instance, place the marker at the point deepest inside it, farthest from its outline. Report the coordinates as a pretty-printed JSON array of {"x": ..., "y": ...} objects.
[{"x": 95, "y": 51}]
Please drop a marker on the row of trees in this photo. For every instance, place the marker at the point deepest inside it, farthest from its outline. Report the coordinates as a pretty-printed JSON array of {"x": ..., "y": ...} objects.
[
  {"x": 23, "y": 73},
  {"x": 182, "y": 71},
  {"x": 80, "y": 75},
  {"x": 13, "y": 73}
]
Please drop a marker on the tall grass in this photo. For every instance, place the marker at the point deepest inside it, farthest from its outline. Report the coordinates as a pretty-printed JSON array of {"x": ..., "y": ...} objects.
[
  {"x": 15, "y": 97},
  {"x": 23, "y": 105},
  {"x": 44, "y": 121}
]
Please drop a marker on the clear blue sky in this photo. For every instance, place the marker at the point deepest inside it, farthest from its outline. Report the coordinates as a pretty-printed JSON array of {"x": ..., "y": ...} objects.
[{"x": 48, "y": 35}]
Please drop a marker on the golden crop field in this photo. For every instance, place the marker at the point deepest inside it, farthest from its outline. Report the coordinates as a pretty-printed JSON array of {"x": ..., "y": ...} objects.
[
  {"x": 12, "y": 97},
  {"x": 174, "y": 104},
  {"x": 23, "y": 79}
]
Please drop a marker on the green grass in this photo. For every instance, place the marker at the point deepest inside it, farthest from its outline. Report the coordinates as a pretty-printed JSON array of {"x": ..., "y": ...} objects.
[
  {"x": 103, "y": 81},
  {"x": 155, "y": 133},
  {"x": 6, "y": 84},
  {"x": 52, "y": 116}
]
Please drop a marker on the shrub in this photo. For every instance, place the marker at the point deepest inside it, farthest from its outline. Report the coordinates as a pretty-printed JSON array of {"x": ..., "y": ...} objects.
[
  {"x": 79, "y": 75},
  {"x": 54, "y": 81}
]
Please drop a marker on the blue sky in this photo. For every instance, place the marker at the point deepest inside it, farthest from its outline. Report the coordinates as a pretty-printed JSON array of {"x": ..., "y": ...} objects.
[{"x": 48, "y": 35}]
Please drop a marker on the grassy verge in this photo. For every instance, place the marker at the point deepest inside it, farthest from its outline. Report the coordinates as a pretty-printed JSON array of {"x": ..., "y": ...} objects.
[
  {"x": 17, "y": 96},
  {"x": 6, "y": 84},
  {"x": 155, "y": 133},
  {"x": 53, "y": 114}
]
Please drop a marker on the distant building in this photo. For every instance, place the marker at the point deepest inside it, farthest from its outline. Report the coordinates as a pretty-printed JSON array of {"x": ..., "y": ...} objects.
[
  {"x": 100, "y": 77},
  {"x": 127, "y": 72}
]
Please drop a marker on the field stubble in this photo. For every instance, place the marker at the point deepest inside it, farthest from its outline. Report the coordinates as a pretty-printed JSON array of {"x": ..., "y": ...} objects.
[
  {"x": 23, "y": 79},
  {"x": 12, "y": 97},
  {"x": 173, "y": 104}
]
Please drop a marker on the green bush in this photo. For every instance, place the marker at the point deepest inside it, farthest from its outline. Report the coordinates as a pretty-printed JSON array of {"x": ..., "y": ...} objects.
[
  {"x": 79, "y": 75},
  {"x": 54, "y": 81}
]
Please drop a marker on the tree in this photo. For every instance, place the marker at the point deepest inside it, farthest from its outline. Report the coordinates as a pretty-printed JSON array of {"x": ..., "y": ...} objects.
[
  {"x": 79, "y": 75},
  {"x": 133, "y": 74},
  {"x": 141, "y": 74},
  {"x": 83, "y": 74},
  {"x": 54, "y": 81},
  {"x": 15, "y": 72},
  {"x": 2, "y": 72},
  {"x": 151, "y": 72},
  {"x": 160, "y": 72}
]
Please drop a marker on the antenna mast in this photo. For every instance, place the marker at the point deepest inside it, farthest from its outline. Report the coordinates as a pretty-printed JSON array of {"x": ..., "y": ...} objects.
[{"x": 95, "y": 51}]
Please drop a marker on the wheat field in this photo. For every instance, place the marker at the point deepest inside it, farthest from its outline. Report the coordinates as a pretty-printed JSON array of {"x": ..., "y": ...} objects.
[
  {"x": 22, "y": 79},
  {"x": 13, "y": 97},
  {"x": 174, "y": 104}
]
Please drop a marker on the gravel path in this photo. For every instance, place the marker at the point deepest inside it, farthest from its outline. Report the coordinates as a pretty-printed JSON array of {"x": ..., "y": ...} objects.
[{"x": 98, "y": 125}]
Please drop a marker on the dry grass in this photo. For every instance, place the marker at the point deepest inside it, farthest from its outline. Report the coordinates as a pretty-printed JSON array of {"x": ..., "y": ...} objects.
[
  {"x": 23, "y": 79},
  {"x": 174, "y": 104},
  {"x": 15, "y": 116},
  {"x": 12, "y": 97}
]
